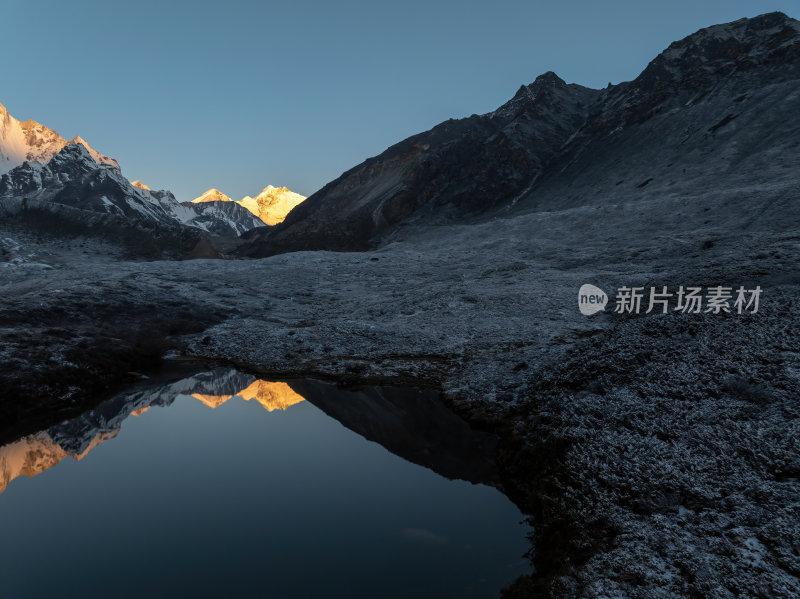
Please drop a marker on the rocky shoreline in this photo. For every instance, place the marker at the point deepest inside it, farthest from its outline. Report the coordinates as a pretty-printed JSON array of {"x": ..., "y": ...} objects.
[{"x": 647, "y": 469}]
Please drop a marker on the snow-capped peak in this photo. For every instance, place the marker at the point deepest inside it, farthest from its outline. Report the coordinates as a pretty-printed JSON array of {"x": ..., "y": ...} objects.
[
  {"x": 140, "y": 185},
  {"x": 30, "y": 141},
  {"x": 272, "y": 204},
  {"x": 212, "y": 195}
]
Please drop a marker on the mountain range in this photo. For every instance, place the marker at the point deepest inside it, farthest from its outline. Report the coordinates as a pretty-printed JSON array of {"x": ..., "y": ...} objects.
[
  {"x": 42, "y": 175},
  {"x": 693, "y": 119},
  {"x": 271, "y": 205}
]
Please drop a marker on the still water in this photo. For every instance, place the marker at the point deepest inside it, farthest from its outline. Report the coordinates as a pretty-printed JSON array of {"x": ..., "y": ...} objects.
[{"x": 223, "y": 485}]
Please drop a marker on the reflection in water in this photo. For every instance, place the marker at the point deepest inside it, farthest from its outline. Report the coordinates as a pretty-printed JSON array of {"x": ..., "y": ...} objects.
[
  {"x": 36, "y": 453},
  {"x": 273, "y": 396},
  {"x": 307, "y": 501}
]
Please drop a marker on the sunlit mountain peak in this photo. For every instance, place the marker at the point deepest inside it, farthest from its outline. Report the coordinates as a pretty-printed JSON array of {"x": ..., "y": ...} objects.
[
  {"x": 272, "y": 204},
  {"x": 212, "y": 195},
  {"x": 140, "y": 185}
]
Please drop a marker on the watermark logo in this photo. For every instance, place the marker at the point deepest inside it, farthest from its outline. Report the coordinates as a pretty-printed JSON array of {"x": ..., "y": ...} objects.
[
  {"x": 591, "y": 299},
  {"x": 692, "y": 300}
]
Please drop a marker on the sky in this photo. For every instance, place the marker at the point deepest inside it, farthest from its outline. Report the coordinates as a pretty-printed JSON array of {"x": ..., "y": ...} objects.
[{"x": 239, "y": 95}]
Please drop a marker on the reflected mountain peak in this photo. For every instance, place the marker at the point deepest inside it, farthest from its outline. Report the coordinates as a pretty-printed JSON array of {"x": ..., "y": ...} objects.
[
  {"x": 36, "y": 453},
  {"x": 271, "y": 395},
  {"x": 28, "y": 457},
  {"x": 212, "y": 401}
]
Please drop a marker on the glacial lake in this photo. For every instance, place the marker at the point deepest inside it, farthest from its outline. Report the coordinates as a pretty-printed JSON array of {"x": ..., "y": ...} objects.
[{"x": 223, "y": 485}]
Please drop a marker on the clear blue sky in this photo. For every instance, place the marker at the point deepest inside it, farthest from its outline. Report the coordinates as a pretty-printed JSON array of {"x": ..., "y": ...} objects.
[{"x": 237, "y": 95}]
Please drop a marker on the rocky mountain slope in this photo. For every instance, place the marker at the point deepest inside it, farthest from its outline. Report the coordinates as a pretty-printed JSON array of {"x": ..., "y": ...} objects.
[
  {"x": 713, "y": 111},
  {"x": 90, "y": 196},
  {"x": 270, "y": 206},
  {"x": 73, "y": 178},
  {"x": 72, "y": 194},
  {"x": 221, "y": 218},
  {"x": 217, "y": 213}
]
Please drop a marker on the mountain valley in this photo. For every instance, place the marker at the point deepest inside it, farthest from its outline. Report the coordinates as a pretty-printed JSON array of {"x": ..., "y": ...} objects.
[{"x": 655, "y": 454}]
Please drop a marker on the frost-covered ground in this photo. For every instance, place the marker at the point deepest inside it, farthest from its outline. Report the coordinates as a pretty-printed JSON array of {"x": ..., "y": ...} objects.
[{"x": 657, "y": 454}]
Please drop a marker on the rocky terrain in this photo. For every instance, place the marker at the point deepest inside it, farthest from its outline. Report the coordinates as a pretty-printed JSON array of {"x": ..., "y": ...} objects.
[
  {"x": 629, "y": 439},
  {"x": 656, "y": 454}
]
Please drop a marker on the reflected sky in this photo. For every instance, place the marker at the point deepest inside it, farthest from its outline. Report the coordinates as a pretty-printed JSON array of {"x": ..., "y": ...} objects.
[{"x": 263, "y": 495}]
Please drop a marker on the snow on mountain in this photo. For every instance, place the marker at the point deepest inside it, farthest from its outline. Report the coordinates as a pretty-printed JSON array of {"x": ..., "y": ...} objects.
[
  {"x": 221, "y": 217},
  {"x": 75, "y": 188},
  {"x": 33, "y": 142},
  {"x": 74, "y": 178},
  {"x": 140, "y": 185},
  {"x": 98, "y": 157},
  {"x": 271, "y": 205},
  {"x": 212, "y": 195},
  {"x": 37, "y": 164}
]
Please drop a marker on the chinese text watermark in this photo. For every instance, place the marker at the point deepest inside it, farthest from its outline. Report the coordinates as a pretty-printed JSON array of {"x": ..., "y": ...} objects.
[{"x": 692, "y": 300}]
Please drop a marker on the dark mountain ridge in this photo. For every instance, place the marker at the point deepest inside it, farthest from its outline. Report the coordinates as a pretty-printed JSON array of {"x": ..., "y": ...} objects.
[{"x": 714, "y": 110}]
